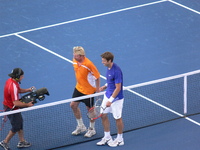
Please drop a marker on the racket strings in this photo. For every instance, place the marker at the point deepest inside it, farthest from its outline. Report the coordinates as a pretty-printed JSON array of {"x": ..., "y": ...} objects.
[{"x": 94, "y": 112}]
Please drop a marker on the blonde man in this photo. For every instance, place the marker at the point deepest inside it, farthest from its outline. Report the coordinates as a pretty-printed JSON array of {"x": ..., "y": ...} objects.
[{"x": 87, "y": 82}]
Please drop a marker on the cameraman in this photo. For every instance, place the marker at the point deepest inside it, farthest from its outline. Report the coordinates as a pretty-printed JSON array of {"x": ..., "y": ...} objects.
[{"x": 11, "y": 102}]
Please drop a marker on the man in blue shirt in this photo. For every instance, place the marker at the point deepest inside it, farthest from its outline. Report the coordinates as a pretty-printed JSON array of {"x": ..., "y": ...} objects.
[{"x": 113, "y": 101}]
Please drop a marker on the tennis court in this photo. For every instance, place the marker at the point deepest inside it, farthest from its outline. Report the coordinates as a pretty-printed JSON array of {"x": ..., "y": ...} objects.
[{"x": 150, "y": 39}]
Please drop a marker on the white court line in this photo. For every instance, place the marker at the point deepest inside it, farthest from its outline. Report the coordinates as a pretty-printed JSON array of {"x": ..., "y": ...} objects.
[
  {"x": 64, "y": 101},
  {"x": 29, "y": 41},
  {"x": 158, "y": 104},
  {"x": 47, "y": 50},
  {"x": 184, "y": 6},
  {"x": 85, "y": 18}
]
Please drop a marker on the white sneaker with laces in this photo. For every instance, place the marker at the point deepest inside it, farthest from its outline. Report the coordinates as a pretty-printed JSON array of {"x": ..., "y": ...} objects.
[
  {"x": 105, "y": 141},
  {"x": 90, "y": 132},
  {"x": 116, "y": 143},
  {"x": 79, "y": 129}
]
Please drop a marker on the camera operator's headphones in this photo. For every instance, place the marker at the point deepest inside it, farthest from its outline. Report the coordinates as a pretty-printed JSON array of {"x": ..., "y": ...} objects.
[{"x": 17, "y": 76}]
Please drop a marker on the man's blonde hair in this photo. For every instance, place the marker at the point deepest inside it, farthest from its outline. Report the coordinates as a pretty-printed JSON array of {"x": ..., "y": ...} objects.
[{"x": 78, "y": 50}]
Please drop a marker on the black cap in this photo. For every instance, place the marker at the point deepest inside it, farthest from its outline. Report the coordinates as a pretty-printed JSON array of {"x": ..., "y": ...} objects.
[{"x": 16, "y": 73}]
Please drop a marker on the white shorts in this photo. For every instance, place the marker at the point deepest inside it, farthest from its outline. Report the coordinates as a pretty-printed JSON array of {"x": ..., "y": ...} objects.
[{"x": 115, "y": 108}]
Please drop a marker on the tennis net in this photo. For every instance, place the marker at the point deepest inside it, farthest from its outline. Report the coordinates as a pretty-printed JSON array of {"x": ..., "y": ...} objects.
[{"x": 49, "y": 126}]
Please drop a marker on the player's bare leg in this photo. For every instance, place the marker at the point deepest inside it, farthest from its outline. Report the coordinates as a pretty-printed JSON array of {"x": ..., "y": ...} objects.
[{"x": 77, "y": 113}]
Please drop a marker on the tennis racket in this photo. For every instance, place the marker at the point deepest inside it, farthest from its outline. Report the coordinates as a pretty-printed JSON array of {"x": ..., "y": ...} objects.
[{"x": 96, "y": 111}]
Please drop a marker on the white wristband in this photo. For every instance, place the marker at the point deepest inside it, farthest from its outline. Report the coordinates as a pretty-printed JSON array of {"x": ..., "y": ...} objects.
[{"x": 111, "y": 99}]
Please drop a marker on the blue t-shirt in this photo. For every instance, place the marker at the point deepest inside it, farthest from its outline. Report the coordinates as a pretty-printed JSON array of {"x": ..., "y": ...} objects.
[{"x": 114, "y": 76}]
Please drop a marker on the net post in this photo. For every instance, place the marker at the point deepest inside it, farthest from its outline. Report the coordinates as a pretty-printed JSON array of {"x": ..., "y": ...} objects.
[{"x": 185, "y": 95}]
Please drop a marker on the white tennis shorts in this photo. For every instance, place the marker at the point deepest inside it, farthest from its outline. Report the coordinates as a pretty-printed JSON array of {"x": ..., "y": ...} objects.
[{"x": 115, "y": 108}]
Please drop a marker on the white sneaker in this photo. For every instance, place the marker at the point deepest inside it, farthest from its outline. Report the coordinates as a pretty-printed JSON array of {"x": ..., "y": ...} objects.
[
  {"x": 116, "y": 142},
  {"x": 90, "y": 132},
  {"x": 79, "y": 129},
  {"x": 4, "y": 145},
  {"x": 23, "y": 144},
  {"x": 105, "y": 141}
]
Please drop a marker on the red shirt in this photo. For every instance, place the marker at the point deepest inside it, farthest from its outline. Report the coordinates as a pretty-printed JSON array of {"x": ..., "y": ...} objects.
[{"x": 11, "y": 92}]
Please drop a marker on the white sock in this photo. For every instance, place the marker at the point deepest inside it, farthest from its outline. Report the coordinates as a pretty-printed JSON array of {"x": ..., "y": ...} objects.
[
  {"x": 80, "y": 121},
  {"x": 120, "y": 137},
  {"x": 107, "y": 135},
  {"x": 92, "y": 124}
]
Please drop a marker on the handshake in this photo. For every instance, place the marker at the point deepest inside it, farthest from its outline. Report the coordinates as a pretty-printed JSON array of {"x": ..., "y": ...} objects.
[{"x": 34, "y": 95}]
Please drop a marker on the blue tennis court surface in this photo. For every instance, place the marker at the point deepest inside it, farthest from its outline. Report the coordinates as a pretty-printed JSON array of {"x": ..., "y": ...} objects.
[
  {"x": 174, "y": 135},
  {"x": 150, "y": 40}
]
